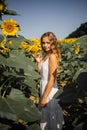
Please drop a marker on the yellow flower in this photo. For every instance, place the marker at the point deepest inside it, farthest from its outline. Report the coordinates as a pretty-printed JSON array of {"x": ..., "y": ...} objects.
[
  {"x": 24, "y": 45},
  {"x": 1, "y": 7},
  {"x": 3, "y": 48},
  {"x": 10, "y": 42},
  {"x": 36, "y": 41},
  {"x": 33, "y": 49},
  {"x": 9, "y": 27},
  {"x": 34, "y": 99},
  {"x": 77, "y": 50},
  {"x": 23, "y": 122},
  {"x": 68, "y": 40},
  {"x": 80, "y": 100}
]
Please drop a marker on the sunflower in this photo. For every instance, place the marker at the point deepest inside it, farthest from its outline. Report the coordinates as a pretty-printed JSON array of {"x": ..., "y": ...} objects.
[
  {"x": 3, "y": 5},
  {"x": 34, "y": 99},
  {"x": 9, "y": 27},
  {"x": 77, "y": 50}
]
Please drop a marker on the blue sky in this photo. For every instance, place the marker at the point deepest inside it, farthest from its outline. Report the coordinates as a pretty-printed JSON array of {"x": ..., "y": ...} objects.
[{"x": 38, "y": 16}]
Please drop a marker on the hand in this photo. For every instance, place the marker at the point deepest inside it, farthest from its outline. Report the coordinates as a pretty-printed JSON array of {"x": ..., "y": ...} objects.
[
  {"x": 43, "y": 102},
  {"x": 38, "y": 57}
]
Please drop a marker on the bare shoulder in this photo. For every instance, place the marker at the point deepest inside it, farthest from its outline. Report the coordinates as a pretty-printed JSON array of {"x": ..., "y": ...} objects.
[
  {"x": 53, "y": 62},
  {"x": 52, "y": 57}
]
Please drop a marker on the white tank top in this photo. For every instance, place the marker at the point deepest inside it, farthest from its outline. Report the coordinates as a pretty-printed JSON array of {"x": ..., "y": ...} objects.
[{"x": 44, "y": 80}]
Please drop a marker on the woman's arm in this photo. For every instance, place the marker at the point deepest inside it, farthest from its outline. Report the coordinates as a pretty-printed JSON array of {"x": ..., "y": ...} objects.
[
  {"x": 52, "y": 73},
  {"x": 38, "y": 58}
]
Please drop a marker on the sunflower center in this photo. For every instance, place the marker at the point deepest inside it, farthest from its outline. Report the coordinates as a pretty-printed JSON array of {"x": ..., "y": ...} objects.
[{"x": 10, "y": 28}]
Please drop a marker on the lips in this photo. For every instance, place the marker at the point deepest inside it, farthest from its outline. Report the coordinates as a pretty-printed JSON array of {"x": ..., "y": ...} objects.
[{"x": 46, "y": 48}]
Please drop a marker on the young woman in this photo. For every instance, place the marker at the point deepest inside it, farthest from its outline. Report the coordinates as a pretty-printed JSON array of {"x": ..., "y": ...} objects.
[{"x": 52, "y": 117}]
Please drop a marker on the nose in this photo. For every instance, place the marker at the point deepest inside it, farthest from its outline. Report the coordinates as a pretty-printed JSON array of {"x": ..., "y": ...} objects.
[{"x": 45, "y": 44}]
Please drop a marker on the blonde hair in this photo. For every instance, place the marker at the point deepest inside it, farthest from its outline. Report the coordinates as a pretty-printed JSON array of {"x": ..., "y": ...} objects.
[{"x": 54, "y": 44}]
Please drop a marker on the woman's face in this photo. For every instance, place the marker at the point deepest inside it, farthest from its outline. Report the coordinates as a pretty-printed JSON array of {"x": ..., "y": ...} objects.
[{"x": 46, "y": 45}]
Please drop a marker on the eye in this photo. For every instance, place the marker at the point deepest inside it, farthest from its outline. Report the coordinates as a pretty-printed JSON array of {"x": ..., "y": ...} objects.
[
  {"x": 45, "y": 42},
  {"x": 48, "y": 42}
]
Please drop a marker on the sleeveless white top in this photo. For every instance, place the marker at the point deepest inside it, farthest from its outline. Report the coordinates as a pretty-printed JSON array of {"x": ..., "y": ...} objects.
[
  {"x": 44, "y": 80},
  {"x": 52, "y": 116}
]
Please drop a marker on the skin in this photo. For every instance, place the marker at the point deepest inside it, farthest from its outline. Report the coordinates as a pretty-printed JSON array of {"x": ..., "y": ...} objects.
[{"x": 53, "y": 62}]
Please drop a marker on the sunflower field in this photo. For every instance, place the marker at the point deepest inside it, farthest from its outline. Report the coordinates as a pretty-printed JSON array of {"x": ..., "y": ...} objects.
[{"x": 19, "y": 79}]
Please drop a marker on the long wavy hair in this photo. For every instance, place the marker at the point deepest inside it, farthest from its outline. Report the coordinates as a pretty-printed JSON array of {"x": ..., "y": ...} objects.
[{"x": 54, "y": 44}]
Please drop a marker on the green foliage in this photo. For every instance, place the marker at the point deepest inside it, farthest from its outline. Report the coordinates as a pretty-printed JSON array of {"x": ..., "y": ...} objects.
[
  {"x": 5, "y": 10},
  {"x": 16, "y": 106},
  {"x": 80, "y": 31},
  {"x": 19, "y": 77},
  {"x": 18, "y": 80},
  {"x": 73, "y": 63},
  {"x": 72, "y": 78},
  {"x": 1, "y": 38}
]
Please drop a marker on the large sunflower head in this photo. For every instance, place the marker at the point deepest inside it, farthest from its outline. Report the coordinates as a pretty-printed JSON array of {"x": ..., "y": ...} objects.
[{"x": 10, "y": 27}]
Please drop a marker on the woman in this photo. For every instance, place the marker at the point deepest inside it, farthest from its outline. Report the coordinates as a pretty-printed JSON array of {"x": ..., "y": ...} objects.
[{"x": 52, "y": 117}]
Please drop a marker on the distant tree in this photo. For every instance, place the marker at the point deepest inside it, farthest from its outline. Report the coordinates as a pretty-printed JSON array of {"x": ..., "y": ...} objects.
[{"x": 80, "y": 31}]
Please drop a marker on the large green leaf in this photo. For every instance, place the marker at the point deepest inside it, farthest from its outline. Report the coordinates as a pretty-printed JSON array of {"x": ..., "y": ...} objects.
[
  {"x": 16, "y": 106},
  {"x": 16, "y": 41},
  {"x": 19, "y": 61},
  {"x": 21, "y": 66},
  {"x": 32, "y": 84}
]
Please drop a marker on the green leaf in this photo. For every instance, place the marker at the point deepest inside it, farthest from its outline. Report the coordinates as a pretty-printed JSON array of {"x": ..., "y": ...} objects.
[
  {"x": 30, "y": 82},
  {"x": 16, "y": 106},
  {"x": 1, "y": 38},
  {"x": 34, "y": 127},
  {"x": 10, "y": 12},
  {"x": 79, "y": 126},
  {"x": 18, "y": 60},
  {"x": 4, "y": 127},
  {"x": 16, "y": 41},
  {"x": 25, "y": 39}
]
